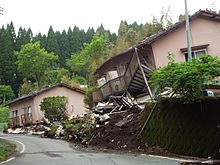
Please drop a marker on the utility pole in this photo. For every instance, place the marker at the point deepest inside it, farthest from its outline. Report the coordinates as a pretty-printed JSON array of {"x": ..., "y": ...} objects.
[{"x": 188, "y": 33}]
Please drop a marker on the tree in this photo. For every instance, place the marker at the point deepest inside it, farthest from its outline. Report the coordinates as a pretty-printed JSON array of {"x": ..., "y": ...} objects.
[
  {"x": 34, "y": 61},
  {"x": 64, "y": 51},
  {"x": 52, "y": 43},
  {"x": 27, "y": 87},
  {"x": 89, "y": 34},
  {"x": 86, "y": 61},
  {"x": 188, "y": 79},
  {"x": 7, "y": 58},
  {"x": 52, "y": 77},
  {"x": 4, "y": 114},
  {"x": 6, "y": 93},
  {"x": 23, "y": 38},
  {"x": 55, "y": 108}
]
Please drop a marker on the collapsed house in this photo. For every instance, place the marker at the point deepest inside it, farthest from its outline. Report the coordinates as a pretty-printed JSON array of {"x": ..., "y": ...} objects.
[{"x": 129, "y": 70}]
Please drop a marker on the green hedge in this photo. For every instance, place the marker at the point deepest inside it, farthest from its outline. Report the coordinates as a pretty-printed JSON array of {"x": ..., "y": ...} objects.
[{"x": 186, "y": 129}]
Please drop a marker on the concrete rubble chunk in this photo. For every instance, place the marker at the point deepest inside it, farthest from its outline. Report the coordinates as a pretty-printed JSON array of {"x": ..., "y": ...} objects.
[{"x": 124, "y": 121}]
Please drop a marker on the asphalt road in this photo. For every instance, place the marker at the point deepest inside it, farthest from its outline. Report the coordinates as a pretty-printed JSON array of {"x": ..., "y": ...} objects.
[{"x": 42, "y": 151}]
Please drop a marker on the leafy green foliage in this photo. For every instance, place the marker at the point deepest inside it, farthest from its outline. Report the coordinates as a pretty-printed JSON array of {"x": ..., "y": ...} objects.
[
  {"x": 4, "y": 114},
  {"x": 55, "y": 108},
  {"x": 80, "y": 79},
  {"x": 34, "y": 61},
  {"x": 27, "y": 87},
  {"x": 64, "y": 44},
  {"x": 86, "y": 61},
  {"x": 6, "y": 93},
  {"x": 52, "y": 77},
  {"x": 69, "y": 81},
  {"x": 186, "y": 79}
]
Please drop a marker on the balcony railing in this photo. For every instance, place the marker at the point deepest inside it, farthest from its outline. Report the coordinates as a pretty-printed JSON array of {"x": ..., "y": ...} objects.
[
  {"x": 120, "y": 84},
  {"x": 26, "y": 119},
  {"x": 14, "y": 122},
  {"x": 114, "y": 86},
  {"x": 117, "y": 85}
]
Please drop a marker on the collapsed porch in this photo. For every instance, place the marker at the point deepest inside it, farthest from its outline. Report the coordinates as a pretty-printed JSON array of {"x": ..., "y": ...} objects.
[{"x": 133, "y": 80}]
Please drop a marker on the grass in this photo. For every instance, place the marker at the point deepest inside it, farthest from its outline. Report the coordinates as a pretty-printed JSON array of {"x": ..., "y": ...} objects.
[{"x": 6, "y": 149}]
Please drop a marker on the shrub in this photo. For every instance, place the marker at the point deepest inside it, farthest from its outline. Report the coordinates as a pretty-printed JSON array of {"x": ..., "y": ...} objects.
[
  {"x": 186, "y": 79},
  {"x": 4, "y": 114},
  {"x": 55, "y": 108}
]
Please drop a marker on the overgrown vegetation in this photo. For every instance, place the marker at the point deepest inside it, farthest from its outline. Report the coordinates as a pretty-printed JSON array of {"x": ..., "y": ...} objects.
[
  {"x": 55, "y": 108},
  {"x": 4, "y": 114},
  {"x": 6, "y": 93},
  {"x": 187, "y": 79}
]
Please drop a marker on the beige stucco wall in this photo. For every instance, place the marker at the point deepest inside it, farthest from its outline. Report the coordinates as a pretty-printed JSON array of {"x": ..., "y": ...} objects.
[
  {"x": 203, "y": 31},
  {"x": 75, "y": 100},
  {"x": 20, "y": 107},
  {"x": 75, "y": 103}
]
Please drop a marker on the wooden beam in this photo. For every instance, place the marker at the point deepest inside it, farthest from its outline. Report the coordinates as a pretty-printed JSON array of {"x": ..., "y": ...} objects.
[{"x": 144, "y": 76}]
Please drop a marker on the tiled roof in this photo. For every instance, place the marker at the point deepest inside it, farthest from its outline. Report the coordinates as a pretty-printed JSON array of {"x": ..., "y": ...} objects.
[
  {"x": 151, "y": 39},
  {"x": 42, "y": 90}
]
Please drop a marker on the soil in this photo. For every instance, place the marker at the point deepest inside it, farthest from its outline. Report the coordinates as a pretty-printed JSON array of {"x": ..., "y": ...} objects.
[
  {"x": 114, "y": 139},
  {"x": 124, "y": 137}
]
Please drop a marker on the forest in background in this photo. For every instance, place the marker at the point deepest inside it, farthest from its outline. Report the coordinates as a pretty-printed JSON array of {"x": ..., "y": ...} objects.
[{"x": 74, "y": 54}]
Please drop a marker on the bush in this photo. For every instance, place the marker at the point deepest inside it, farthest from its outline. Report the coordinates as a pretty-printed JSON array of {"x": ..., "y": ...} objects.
[
  {"x": 186, "y": 79},
  {"x": 4, "y": 114},
  {"x": 55, "y": 108}
]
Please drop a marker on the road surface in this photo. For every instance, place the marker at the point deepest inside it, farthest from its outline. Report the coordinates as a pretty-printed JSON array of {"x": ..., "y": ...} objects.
[{"x": 43, "y": 151}]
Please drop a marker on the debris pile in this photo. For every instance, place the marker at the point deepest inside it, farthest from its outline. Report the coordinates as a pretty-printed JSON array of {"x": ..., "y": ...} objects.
[
  {"x": 38, "y": 129},
  {"x": 119, "y": 132},
  {"x": 78, "y": 129}
]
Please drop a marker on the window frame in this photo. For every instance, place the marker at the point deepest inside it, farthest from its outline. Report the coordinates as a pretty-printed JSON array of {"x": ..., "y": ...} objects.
[{"x": 194, "y": 55}]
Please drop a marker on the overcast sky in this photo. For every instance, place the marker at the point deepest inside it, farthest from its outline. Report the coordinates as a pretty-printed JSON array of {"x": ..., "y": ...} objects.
[{"x": 40, "y": 14}]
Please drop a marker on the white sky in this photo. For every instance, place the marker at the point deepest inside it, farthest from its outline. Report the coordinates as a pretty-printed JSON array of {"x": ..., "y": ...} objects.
[{"x": 40, "y": 14}]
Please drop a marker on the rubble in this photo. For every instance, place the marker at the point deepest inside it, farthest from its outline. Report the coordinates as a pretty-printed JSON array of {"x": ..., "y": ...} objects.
[
  {"x": 120, "y": 132},
  {"x": 124, "y": 121},
  {"x": 118, "y": 103},
  {"x": 18, "y": 131}
]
